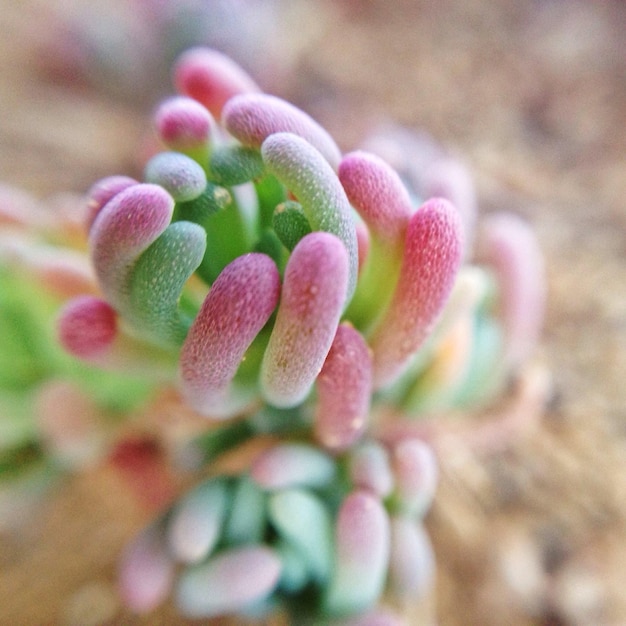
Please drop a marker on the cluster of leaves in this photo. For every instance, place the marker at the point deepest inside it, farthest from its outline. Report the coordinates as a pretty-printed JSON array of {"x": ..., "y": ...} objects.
[{"x": 294, "y": 293}]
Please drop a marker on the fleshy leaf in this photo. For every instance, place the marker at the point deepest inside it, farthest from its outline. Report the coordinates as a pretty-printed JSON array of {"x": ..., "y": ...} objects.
[
  {"x": 237, "y": 307},
  {"x": 87, "y": 326},
  {"x": 344, "y": 388},
  {"x": 416, "y": 473},
  {"x": 370, "y": 468},
  {"x": 101, "y": 192},
  {"x": 301, "y": 167},
  {"x": 146, "y": 571},
  {"x": 377, "y": 193},
  {"x": 314, "y": 289},
  {"x": 412, "y": 561},
  {"x": 235, "y": 164},
  {"x": 195, "y": 524},
  {"x": 183, "y": 124},
  {"x": 158, "y": 278},
  {"x": 230, "y": 582},
  {"x": 361, "y": 555},
  {"x": 246, "y": 519},
  {"x": 305, "y": 523},
  {"x": 448, "y": 178},
  {"x": 293, "y": 465},
  {"x": 252, "y": 118},
  {"x": 432, "y": 256},
  {"x": 179, "y": 174},
  {"x": 125, "y": 227},
  {"x": 211, "y": 78},
  {"x": 510, "y": 247}
]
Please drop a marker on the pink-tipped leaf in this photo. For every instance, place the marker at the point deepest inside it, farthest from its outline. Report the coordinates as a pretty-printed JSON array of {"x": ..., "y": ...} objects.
[
  {"x": 432, "y": 256},
  {"x": 344, "y": 389},
  {"x": 370, "y": 469},
  {"x": 230, "y": 582},
  {"x": 416, "y": 474},
  {"x": 211, "y": 78},
  {"x": 87, "y": 327},
  {"x": 314, "y": 291},
  {"x": 195, "y": 524},
  {"x": 377, "y": 193},
  {"x": 293, "y": 465},
  {"x": 101, "y": 192},
  {"x": 183, "y": 124},
  {"x": 237, "y": 307},
  {"x": 511, "y": 248},
  {"x": 124, "y": 228},
  {"x": 362, "y": 544},
  {"x": 252, "y": 118},
  {"x": 146, "y": 571}
]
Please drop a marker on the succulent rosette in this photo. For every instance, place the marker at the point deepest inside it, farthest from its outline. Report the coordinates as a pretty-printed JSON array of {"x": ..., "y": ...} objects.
[{"x": 300, "y": 295}]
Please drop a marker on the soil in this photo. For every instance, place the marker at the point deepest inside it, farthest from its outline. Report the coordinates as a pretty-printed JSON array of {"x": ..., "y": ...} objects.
[{"x": 532, "y": 95}]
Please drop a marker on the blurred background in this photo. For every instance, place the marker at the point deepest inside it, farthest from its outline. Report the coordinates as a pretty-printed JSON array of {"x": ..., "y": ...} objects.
[{"x": 532, "y": 96}]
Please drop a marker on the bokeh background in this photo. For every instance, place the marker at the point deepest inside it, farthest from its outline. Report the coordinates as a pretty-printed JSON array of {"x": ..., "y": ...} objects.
[{"x": 532, "y": 95}]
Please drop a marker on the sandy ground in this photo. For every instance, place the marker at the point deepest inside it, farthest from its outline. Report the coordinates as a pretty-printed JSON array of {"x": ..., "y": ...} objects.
[{"x": 532, "y": 95}]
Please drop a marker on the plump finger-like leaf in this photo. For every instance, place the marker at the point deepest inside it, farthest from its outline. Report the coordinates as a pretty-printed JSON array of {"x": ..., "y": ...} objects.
[
  {"x": 370, "y": 468},
  {"x": 449, "y": 178},
  {"x": 124, "y": 228},
  {"x": 235, "y": 164},
  {"x": 87, "y": 326},
  {"x": 195, "y": 524},
  {"x": 416, "y": 473},
  {"x": 101, "y": 192},
  {"x": 252, "y": 118},
  {"x": 247, "y": 516},
  {"x": 146, "y": 571},
  {"x": 237, "y": 307},
  {"x": 361, "y": 555},
  {"x": 293, "y": 465},
  {"x": 431, "y": 259},
  {"x": 211, "y": 78},
  {"x": 344, "y": 389},
  {"x": 314, "y": 289},
  {"x": 179, "y": 174},
  {"x": 412, "y": 561},
  {"x": 511, "y": 248},
  {"x": 305, "y": 523},
  {"x": 316, "y": 187},
  {"x": 158, "y": 278},
  {"x": 377, "y": 193},
  {"x": 230, "y": 582},
  {"x": 183, "y": 124}
]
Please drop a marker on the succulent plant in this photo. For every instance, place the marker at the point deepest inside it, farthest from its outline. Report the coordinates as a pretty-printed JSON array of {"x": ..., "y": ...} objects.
[{"x": 310, "y": 305}]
